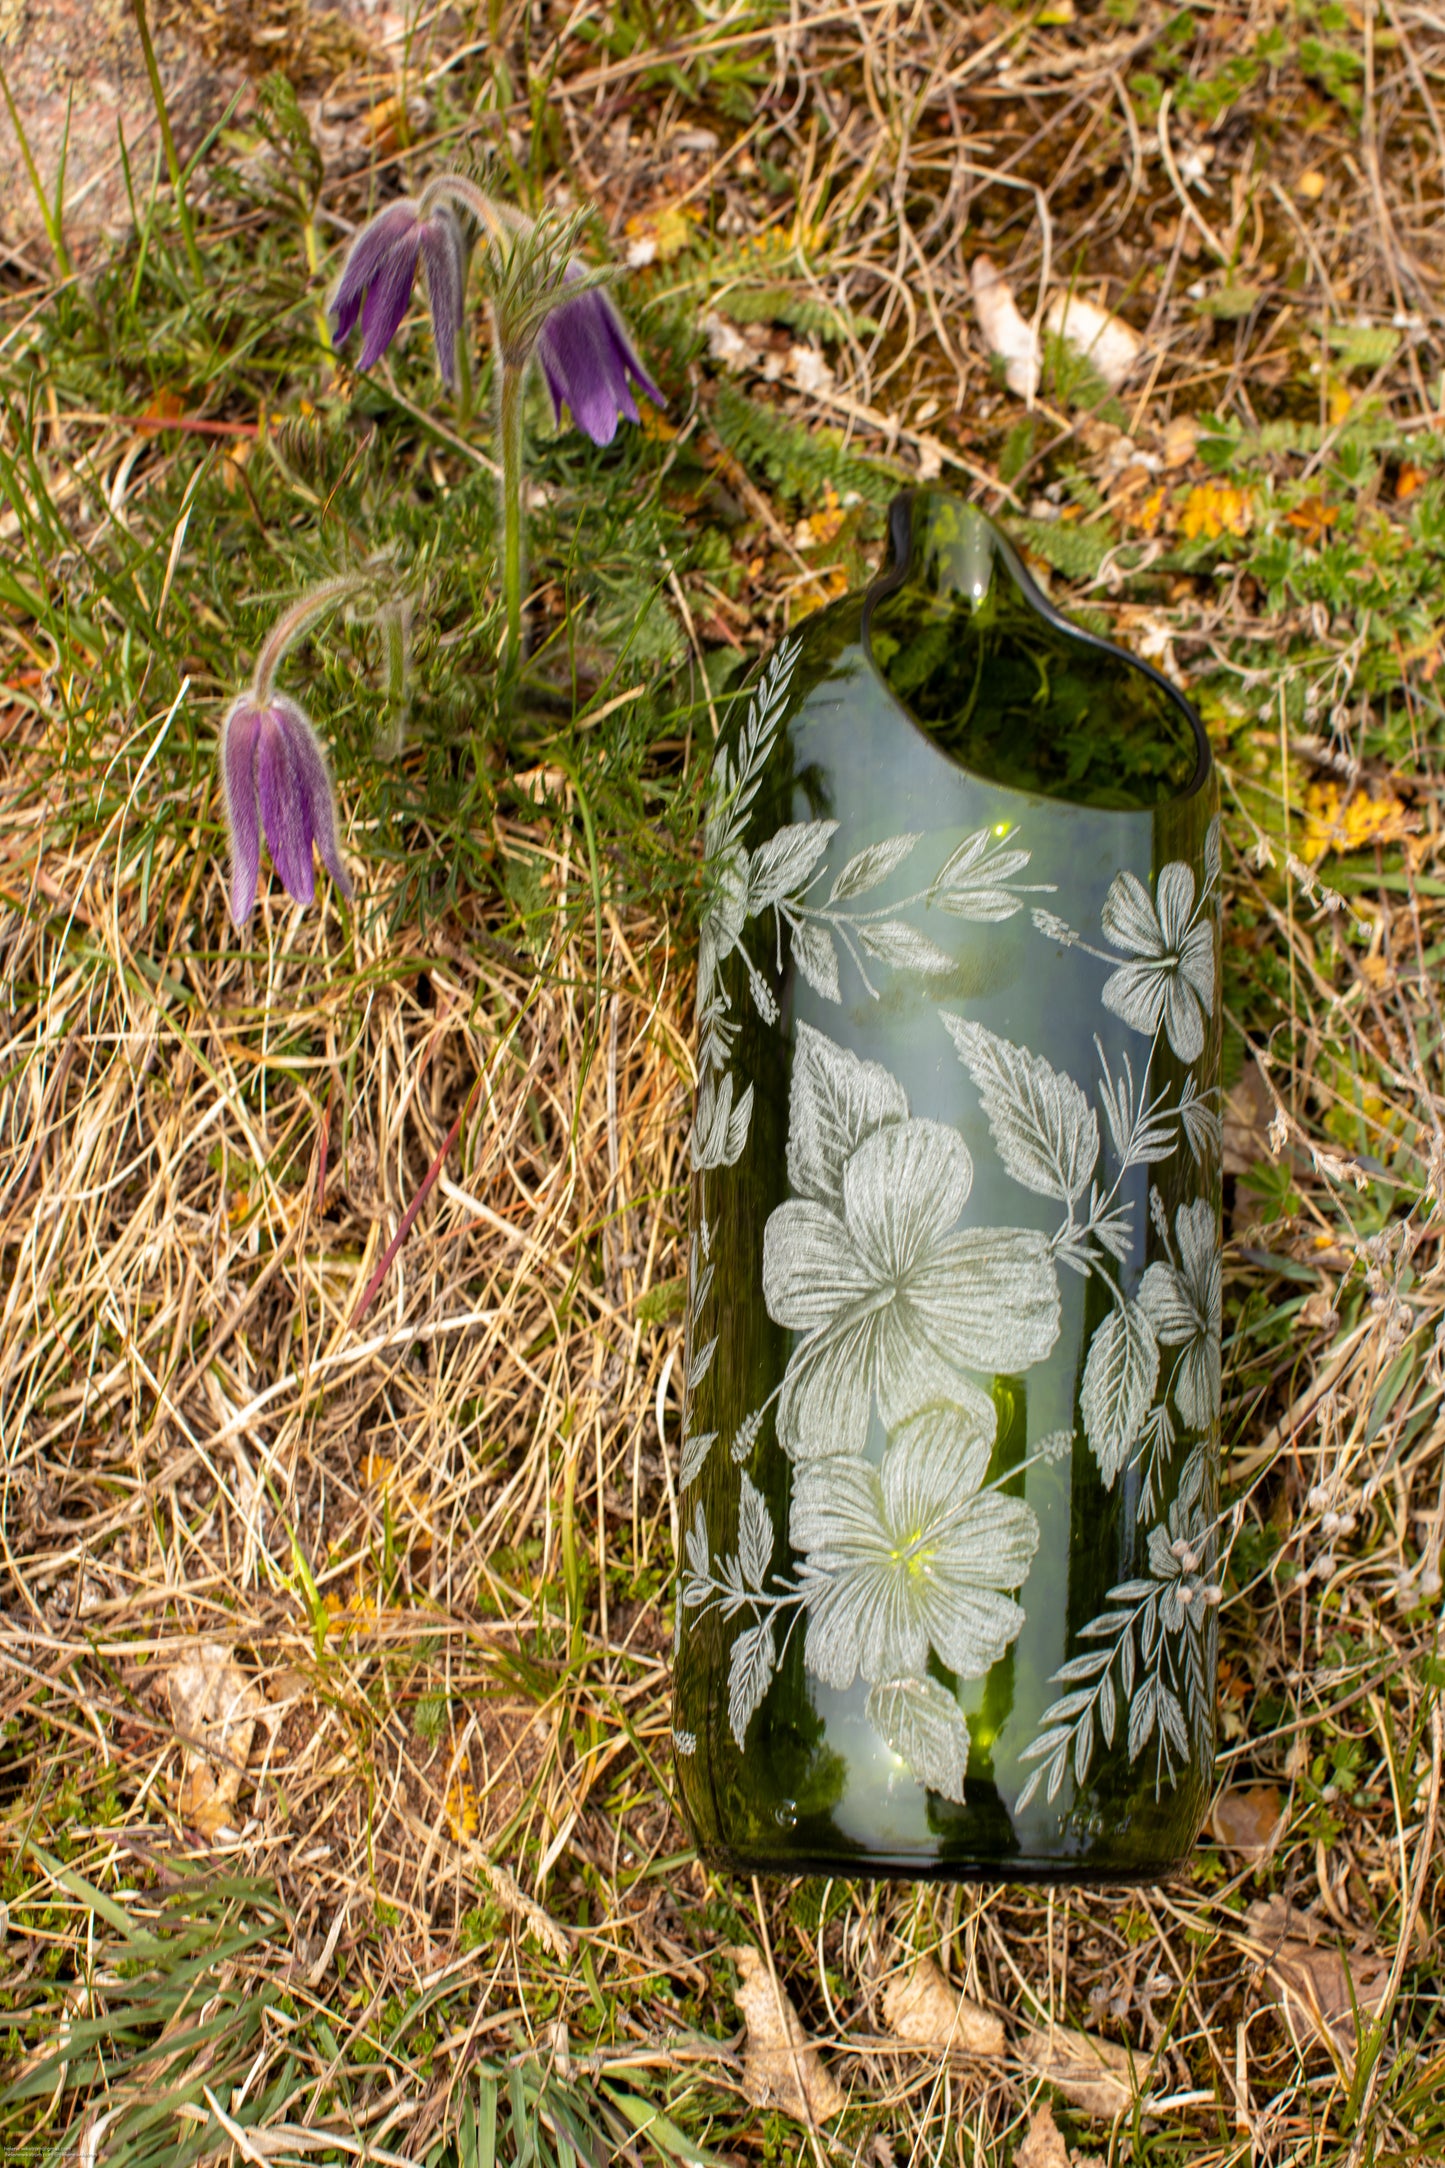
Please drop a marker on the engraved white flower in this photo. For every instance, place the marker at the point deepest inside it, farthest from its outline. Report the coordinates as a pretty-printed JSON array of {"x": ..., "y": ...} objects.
[
  {"x": 1172, "y": 942},
  {"x": 912, "y": 1554},
  {"x": 893, "y": 1297},
  {"x": 1185, "y": 1307}
]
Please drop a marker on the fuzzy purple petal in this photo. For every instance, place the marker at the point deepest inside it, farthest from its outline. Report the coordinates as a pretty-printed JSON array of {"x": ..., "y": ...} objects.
[
  {"x": 625, "y": 354},
  {"x": 369, "y": 251},
  {"x": 446, "y": 270},
  {"x": 239, "y": 734},
  {"x": 555, "y": 385},
  {"x": 577, "y": 354},
  {"x": 388, "y": 298},
  {"x": 313, "y": 781},
  {"x": 587, "y": 359},
  {"x": 284, "y": 813}
]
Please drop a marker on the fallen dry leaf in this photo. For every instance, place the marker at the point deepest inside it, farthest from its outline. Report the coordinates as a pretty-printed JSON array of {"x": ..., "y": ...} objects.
[
  {"x": 1044, "y": 2146},
  {"x": 1312, "y": 1980},
  {"x": 924, "y": 2010},
  {"x": 725, "y": 343},
  {"x": 809, "y": 370},
  {"x": 1005, "y": 331},
  {"x": 1249, "y": 1108},
  {"x": 1249, "y": 1819},
  {"x": 1105, "y": 340},
  {"x": 781, "y": 2067},
  {"x": 1093, "y": 2075},
  {"x": 214, "y": 1706},
  {"x": 1181, "y": 435},
  {"x": 1313, "y": 519}
]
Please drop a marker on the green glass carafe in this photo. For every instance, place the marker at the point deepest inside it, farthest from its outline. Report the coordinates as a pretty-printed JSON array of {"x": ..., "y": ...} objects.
[{"x": 949, "y": 1479}]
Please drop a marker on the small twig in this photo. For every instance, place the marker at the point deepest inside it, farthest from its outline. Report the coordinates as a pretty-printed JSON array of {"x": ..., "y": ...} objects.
[{"x": 409, "y": 1215}]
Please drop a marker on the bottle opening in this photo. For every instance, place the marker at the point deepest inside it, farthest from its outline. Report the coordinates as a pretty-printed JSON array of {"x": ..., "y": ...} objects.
[{"x": 1005, "y": 685}]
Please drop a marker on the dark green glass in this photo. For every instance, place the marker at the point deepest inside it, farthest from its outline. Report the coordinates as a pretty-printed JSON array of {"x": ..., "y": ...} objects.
[{"x": 950, "y": 1448}]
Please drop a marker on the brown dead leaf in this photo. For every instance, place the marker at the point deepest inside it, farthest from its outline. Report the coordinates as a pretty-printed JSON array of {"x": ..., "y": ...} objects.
[
  {"x": 1180, "y": 437},
  {"x": 1093, "y": 2075},
  {"x": 1312, "y": 1980},
  {"x": 781, "y": 2067},
  {"x": 1248, "y": 1112},
  {"x": 214, "y": 1706},
  {"x": 1044, "y": 2146},
  {"x": 1313, "y": 519},
  {"x": 924, "y": 2010},
  {"x": 1249, "y": 1819}
]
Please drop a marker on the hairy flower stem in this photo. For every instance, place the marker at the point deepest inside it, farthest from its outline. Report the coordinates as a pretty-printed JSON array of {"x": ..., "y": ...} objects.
[
  {"x": 290, "y": 625},
  {"x": 513, "y": 378},
  {"x": 464, "y": 379},
  {"x": 168, "y": 144},
  {"x": 498, "y": 219}
]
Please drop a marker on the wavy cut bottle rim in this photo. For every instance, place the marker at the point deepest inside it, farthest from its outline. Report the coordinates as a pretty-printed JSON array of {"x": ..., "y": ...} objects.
[{"x": 907, "y": 543}]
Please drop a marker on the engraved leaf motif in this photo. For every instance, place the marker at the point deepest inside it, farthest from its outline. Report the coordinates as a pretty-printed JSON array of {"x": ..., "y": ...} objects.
[
  {"x": 750, "y": 1668},
  {"x": 701, "y": 1363},
  {"x": 894, "y": 943},
  {"x": 785, "y": 861},
  {"x": 1046, "y": 1132},
  {"x": 870, "y": 868},
  {"x": 836, "y": 1101},
  {"x": 1141, "y": 1718},
  {"x": 969, "y": 884},
  {"x": 816, "y": 957},
  {"x": 1119, "y": 1379},
  {"x": 920, "y": 1720},
  {"x": 720, "y": 1129},
  {"x": 694, "y": 1453},
  {"x": 755, "y": 1536}
]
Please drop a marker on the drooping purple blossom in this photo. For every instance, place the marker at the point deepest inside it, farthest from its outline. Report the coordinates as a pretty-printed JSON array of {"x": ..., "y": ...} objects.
[
  {"x": 590, "y": 365},
  {"x": 380, "y": 272},
  {"x": 276, "y": 781}
]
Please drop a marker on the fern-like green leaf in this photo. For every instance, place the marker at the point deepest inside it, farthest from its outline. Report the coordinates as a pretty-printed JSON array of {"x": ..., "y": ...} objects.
[
  {"x": 1077, "y": 552},
  {"x": 800, "y": 311},
  {"x": 799, "y": 463}
]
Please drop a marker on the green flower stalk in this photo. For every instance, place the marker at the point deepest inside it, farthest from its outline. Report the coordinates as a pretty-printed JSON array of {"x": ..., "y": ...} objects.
[{"x": 544, "y": 303}]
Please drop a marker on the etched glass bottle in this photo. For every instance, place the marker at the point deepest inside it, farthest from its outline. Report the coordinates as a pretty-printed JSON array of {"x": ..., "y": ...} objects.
[{"x": 946, "y": 1603}]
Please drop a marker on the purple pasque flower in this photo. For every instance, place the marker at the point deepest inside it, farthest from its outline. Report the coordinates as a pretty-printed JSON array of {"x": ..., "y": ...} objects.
[
  {"x": 275, "y": 778},
  {"x": 380, "y": 272},
  {"x": 588, "y": 360}
]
